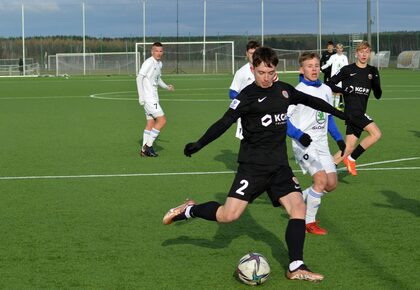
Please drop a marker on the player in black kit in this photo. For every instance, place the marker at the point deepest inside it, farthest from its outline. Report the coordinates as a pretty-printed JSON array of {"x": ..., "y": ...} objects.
[
  {"x": 358, "y": 80},
  {"x": 325, "y": 56},
  {"x": 263, "y": 161}
]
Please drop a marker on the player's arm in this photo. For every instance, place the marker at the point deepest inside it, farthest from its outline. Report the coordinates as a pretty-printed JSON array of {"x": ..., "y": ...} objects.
[
  {"x": 298, "y": 97},
  {"x": 341, "y": 75},
  {"x": 376, "y": 84},
  {"x": 297, "y": 134},
  {"x": 218, "y": 128},
  {"x": 335, "y": 133},
  {"x": 328, "y": 63},
  {"x": 234, "y": 86}
]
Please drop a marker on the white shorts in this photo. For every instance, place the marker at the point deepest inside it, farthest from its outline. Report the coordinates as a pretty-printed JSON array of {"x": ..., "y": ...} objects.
[
  {"x": 312, "y": 160},
  {"x": 153, "y": 110}
]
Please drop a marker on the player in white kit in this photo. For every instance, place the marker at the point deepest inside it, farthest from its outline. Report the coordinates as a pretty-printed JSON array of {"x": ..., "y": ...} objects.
[
  {"x": 148, "y": 80},
  {"x": 337, "y": 61},
  {"x": 314, "y": 155}
]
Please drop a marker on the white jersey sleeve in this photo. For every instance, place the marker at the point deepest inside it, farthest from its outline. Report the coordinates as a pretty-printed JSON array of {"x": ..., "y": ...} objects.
[{"x": 242, "y": 78}]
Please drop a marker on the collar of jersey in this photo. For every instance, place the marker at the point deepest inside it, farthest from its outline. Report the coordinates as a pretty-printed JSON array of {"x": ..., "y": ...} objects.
[{"x": 316, "y": 83}]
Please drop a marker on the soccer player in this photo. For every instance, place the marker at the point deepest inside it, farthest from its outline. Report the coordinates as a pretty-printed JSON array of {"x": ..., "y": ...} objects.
[
  {"x": 358, "y": 80},
  {"x": 148, "y": 80},
  {"x": 314, "y": 156},
  {"x": 325, "y": 57},
  {"x": 263, "y": 161},
  {"x": 242, "y": 78},
  {"x": 336, "y": 62}
]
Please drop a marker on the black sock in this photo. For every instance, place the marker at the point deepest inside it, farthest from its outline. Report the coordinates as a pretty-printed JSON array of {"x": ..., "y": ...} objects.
[
  {"x": 357, "y": 152},
  {"x": 206, "y": 210},
  {"x": 295, "y": 238}
]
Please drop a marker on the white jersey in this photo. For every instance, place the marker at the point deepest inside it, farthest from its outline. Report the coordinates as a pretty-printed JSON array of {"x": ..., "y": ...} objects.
[
  {"x": 243, "y": 77},
  {"x": 310, "y": 121},
  {"x": 148, "y": 80},
  {"x": 336, "y": 61}
]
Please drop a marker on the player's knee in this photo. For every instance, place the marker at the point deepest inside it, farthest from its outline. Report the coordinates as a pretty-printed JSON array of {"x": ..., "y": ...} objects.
[
  {"x": 228, "y": 216},
  {"x": 298, "y": 210}
]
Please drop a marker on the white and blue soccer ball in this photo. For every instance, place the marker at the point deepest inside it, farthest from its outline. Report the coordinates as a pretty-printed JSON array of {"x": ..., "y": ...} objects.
[{"x": 253, "y": 269}]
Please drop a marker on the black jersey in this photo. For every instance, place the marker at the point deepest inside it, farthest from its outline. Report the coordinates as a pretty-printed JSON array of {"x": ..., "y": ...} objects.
[
  {"x": 263, "y": 112},
  {"x": 324, "y": 58},
  {"x": 357, "y": 84}
]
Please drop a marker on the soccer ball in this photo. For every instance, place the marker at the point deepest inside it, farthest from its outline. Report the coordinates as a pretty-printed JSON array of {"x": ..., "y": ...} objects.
[{"x": 253, "y": 269}]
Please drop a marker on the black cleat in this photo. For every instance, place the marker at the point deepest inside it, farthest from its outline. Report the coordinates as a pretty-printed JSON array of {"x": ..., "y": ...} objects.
[{"x": 147, "y": 151}]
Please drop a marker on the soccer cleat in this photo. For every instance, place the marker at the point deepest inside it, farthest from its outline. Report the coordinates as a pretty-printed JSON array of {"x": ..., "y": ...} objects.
[
  {"x": 313, "y": 228},
  {"x": 147, "y": 151},
  {"x": 350, "y": 165},
  {"x": 303, "y": 273},
  {"x": 176, "y": 211}
]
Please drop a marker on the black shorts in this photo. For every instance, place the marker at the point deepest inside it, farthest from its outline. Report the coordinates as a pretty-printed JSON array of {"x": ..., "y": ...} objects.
[
  {"x": 359, "y": 122},
  {"x": 252, "y": 180}
]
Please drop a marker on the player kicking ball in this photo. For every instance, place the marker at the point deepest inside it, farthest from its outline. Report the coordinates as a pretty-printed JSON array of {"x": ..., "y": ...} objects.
[
  {"x": 263, "y": 162},
  {"x": 358, "y": 80},
  {"x": 311, "y": 151}
]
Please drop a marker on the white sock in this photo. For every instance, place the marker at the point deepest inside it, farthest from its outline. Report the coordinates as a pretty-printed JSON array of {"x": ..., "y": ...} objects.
[
  {"x": 295, "y": 264},
  {"x": 146, "y": 134},
  {"x": 154, "y": 133},
  {"x": 313, "y": 202}
]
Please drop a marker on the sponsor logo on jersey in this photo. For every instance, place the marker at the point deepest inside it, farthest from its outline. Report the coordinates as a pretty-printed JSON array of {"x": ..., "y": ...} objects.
[
  {"x": 278, "y": 119},
  {"x": 234, "y": 104},
  {"x": 285, "y": 94},
  {"x": 361, "y": 90},
  {"x": 320, "y": 117}
]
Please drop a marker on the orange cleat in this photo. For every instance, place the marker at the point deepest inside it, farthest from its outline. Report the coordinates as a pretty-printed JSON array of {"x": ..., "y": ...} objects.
[
  {"x": 350, "y": 165},
  {"x": 176, "y": 211},
  {"x": 313, "y": 228},
  {"x": 303, "y": 273}
]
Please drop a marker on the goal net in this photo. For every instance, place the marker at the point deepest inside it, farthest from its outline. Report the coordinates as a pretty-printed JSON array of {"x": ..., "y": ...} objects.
[
  {"x": 105, "y": 63},
  {"x": 192, "y": 57},
  {"x": 409, "y": 59},
  {"x": 380, "y": 59},
  {"x": 12, "y": 68}
]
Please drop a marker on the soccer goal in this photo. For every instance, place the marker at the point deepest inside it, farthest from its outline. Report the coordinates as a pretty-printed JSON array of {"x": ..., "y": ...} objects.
[
  {"x": 13, "y": 68},
  {"x": 192, "y": 57},
  {"x": 105, "y": 63},
  {"x": 380, "y": 59},
  {"x": 409, "y": 59}
]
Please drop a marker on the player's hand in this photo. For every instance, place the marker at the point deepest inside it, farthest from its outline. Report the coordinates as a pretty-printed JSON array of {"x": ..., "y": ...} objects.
[
  {"x": 171, "y": 88},
  {"x": 305, "y": 140},
  {"x": 192, "y": 148},
  {"x": 342, "y": 145}
]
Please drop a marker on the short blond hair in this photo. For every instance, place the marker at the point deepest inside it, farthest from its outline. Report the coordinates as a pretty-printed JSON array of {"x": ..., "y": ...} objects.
[
  {"x": 339, "y": 45},
  {"x": 363, "y": 45},
  {"x": 307, "y": 55}
]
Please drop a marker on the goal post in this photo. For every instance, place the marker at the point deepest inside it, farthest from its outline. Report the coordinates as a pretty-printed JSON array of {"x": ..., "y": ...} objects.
[{"x": 192, "y": 57}]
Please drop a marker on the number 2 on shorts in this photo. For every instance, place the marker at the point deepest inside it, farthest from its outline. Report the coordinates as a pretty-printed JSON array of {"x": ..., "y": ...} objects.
[{"x": 241, "y": 189}]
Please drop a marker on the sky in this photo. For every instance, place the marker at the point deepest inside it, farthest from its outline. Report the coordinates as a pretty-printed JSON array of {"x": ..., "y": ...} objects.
[{"x": 124, "y": 18}]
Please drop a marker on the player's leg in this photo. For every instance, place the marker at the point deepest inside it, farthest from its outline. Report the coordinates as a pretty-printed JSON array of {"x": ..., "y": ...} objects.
[
  {"x": 313, "y": 202},
  {"x": 146, "y": 135},
  {"x": 295, "y": 238},
  {"x": 154, "y": 111},
  {"x": 351, "y": 141},
  {"x": 244, "y": 189}
]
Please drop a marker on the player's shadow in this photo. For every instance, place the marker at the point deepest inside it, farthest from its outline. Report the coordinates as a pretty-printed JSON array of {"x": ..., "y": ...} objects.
[
  {"x": 245, "y": 226},
  {"x": 229, "y": 158},
  {"x": 416, "y": 133},
  {"x": 397, "y": 202}
]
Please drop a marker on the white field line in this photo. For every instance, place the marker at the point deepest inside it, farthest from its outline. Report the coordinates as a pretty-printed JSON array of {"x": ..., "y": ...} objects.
[{"x": 202, "y": 173}]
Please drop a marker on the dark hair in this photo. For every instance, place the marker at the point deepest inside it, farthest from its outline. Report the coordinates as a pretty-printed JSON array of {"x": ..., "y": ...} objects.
[
  {"x": 306, "y": 55},
  {"x": 157, "y": 43},
  {"x": 266, "y": 55},
  {"x": 252, "y": 44},
  {"x": 330, "y": 42}
]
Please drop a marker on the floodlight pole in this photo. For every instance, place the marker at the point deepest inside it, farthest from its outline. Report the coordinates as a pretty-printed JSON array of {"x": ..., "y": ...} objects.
[
  {"x": 204, "y": 36},
  {"x": 319, "y": 26},
  {"x": 377, "y": 29},
  {"x": 262, "y": 22},
  {"x": 369, "y": 23},
  {"x": 23, "y": 40},
  {"x": 84, "y": 38},
  {"x": 144, "y": 30}
]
